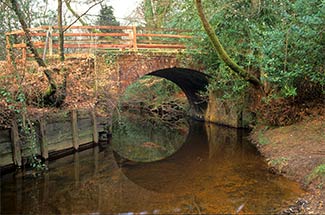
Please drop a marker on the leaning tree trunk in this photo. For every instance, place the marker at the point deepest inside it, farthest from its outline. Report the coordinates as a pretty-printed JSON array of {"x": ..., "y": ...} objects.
[
  {"x": 221, "y": 51},
  {"x": 49, "y": 98},
  {"x": 52, "y": 88},
  {"x": 61, "y": 33}
]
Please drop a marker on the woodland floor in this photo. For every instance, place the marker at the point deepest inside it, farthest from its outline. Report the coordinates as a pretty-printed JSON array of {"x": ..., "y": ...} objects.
[{"x": 295, "y": 151}]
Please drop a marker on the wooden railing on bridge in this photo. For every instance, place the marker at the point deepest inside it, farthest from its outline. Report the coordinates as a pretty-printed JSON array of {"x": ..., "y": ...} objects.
[{"x": 91, "y": 39}]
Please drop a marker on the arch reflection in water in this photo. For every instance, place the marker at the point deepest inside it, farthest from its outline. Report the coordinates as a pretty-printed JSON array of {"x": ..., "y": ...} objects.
[
  {"x": 208, "y": 149},
  {"x": 140, "y": 139},
  {"x": 215, "y": 171}
]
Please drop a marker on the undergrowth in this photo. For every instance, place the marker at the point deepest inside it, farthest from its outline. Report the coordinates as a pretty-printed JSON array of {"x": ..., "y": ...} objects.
[{"x": 317, "y": 173}]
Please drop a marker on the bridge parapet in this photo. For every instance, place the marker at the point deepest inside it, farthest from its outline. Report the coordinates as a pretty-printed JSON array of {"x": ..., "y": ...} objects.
[{"x": 91, "y": 39}]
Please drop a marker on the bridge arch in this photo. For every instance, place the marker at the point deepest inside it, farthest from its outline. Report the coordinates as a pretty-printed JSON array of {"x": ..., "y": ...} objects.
[
  {"x": 169, "y": 66},
  {"x": 192, "y": 82}
]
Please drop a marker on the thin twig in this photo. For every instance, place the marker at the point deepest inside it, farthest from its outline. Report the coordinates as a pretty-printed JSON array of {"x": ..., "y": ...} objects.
[{"x": 82, "y": 15}]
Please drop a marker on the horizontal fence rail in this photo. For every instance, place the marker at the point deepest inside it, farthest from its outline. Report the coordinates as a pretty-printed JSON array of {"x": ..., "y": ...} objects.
[{"x": 91, "y": 39}]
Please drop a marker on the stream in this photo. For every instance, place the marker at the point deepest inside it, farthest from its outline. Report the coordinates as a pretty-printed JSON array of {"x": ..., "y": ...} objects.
[{"x": 151, "y": 167}]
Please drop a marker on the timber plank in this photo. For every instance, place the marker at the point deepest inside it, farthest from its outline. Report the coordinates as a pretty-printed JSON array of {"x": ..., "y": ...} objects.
[
  {"x": 95, "y": 130},
  {"x": 6, "y": 159},
  {"x": 52, "y": 140},
  {"x": 5, "y": 148},
  {"x": 58, "y": 128},
  {"x": 86, "y": 133},
  {"x": 64, "y": 144},
  {"x": 84, "y": 124},
  {"x": 86, "y": 139},
  {"x": 16, "y": 148},
  {"x": 4, "y": 136},
  {"x": 83, "y": 114},
  {"x": 43, "y": 139}
]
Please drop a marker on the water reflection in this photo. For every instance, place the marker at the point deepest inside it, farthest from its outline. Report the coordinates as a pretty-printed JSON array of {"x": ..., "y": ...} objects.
[
  {"x": 144, "y": 140},
  {"x": 214, "y": 171}
]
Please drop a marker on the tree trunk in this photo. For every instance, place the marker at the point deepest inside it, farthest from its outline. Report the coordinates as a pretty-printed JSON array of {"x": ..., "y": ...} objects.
[
  {"x": 52, "y": 88},
  {"x": 221, "y": 51},
  {"x": 61, "y": 33}
]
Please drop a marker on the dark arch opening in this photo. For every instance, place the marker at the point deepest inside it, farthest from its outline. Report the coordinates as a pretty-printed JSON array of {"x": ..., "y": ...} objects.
[{"x": 193, "y": 83}]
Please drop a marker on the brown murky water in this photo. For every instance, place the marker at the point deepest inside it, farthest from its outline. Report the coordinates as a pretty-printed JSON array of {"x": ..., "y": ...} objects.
[{"x": 197, "y": 168}]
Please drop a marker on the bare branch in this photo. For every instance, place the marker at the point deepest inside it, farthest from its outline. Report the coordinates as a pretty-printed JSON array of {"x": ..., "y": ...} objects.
[
  {"x": 82, "y": 15},
  {"x": 67, "y": 3}
]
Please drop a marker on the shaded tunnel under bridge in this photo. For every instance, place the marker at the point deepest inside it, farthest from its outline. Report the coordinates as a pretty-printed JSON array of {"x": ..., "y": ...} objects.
[{"x": 130, "y": 67}]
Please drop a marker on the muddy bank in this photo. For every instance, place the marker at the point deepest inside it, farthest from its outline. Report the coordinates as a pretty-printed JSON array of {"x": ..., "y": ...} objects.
[{"x": 297, "y": 152}]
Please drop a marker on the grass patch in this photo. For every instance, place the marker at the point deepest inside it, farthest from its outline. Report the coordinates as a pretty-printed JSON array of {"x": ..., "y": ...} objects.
[
  {"x": 278, "y": 163},
  {"x": 262, "y": 139},
  {"x": 318, "y": 172}
]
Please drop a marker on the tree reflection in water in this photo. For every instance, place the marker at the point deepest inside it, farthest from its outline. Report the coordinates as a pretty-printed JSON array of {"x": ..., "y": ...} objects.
[{"x": 212, "y": 170}]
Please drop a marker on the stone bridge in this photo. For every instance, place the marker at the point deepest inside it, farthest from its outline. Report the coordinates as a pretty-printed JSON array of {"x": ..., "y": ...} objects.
[
  {"x": 114, "y": 66},
  {"x": 126, "y": 53},
  {"x": 182, "y": 69},
  {"x": 125, "y": 69}
]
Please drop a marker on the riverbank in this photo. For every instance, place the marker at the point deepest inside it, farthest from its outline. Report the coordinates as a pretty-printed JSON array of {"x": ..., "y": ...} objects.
[{"x": 297, "y": 152}]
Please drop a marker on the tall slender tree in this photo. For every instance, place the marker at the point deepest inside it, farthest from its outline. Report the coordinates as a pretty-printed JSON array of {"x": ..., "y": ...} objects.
[{"x": 61, "y": 32}]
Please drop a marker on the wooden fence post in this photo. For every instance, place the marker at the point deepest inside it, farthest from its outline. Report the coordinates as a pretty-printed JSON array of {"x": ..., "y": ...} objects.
[
  {"x": 16, "y": 148},
  {"x": 8, "y": 48},
  {"x": 134, "y": 38},
  {"x": 50, "y": 41},
  {"x": 95, "y": 130},
  {"x": 44, "y": 144},
  {"x": 24, "y": 53},
  {"x": 75, "y": 133}
]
